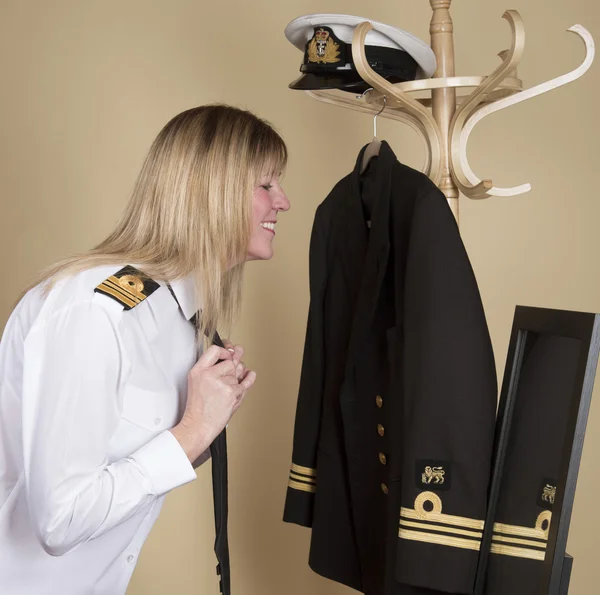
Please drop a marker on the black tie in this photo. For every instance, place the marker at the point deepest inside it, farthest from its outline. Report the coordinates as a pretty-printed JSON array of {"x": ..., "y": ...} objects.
[{"x": 218, "y": 453}]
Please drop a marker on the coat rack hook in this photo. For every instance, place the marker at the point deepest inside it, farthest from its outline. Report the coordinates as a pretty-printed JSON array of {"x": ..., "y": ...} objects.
[{"x": 459, "y": 152}]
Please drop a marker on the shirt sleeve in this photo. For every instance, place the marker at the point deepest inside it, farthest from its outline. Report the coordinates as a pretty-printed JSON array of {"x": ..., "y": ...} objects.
[{"x": 73, "y": 369}]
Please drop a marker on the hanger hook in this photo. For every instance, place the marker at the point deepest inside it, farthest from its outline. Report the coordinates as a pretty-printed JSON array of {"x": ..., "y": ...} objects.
[
  {"x": 361, "y": 96},
  {"x": 377, "y": 114}
]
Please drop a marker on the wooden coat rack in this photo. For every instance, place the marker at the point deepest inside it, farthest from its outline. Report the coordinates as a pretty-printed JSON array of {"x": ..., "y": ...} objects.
[{"x": 443, "y": 119}]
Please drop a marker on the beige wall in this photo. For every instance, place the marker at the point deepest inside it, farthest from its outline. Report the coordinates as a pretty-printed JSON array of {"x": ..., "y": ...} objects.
[{"x": 86, "y": 87}]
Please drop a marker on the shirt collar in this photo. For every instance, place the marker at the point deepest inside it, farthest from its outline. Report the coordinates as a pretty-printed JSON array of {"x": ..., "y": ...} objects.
[{"x": 186, "y": 295}]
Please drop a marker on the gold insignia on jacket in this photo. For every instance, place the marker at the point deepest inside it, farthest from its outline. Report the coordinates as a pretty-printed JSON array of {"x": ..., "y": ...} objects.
[
  {"x": 549, "y": 493},
  {"x": 323, "y": 49},
  {"x": 523, "y": 542},
  {"x": 434, "y": 526},
  {"x": 433, "y": 475}
]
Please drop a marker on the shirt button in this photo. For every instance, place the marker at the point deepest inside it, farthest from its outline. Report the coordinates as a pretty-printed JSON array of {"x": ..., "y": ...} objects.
[
  {"x": 382, "y": 459},
  {"x": 379, "y": 401},
  {"x": 384, "y": 489},
  {"x": 130, "y": 559},
  {"x": 157, "y": 421},
  {"x": 380, "y": 430}
]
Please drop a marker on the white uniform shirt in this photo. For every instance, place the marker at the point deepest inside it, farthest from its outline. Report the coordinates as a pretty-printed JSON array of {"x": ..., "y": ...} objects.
[{"x": 88, "y": 393}]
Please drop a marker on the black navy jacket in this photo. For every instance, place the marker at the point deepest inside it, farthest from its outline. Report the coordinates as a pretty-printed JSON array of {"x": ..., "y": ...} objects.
[{"x": 396, "y": 408}]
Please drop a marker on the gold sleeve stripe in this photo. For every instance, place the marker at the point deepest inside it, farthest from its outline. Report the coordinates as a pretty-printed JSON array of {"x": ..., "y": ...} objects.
[
  {"x": 303, "y": 487},
  {"x": 103, "y": 287},
  {"x": 304, "y": 470},
  {"x": 466, "y": 544},
  {"x": 514, "y": 540},
  {"x": 441, "y": 528},
  {"x": 440, "y": 517},
  {"x": 125, "y": 287},
  {"x": 520, "y": 531},
  {"x": 303, "y": 479},
  {"x": 517, "y": 552}
]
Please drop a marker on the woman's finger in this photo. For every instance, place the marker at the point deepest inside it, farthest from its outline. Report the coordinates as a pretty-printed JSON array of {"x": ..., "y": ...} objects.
[
  {"x": 225, "y": 368},
  {"x": 248, "y": 381},
  {"x": 228, "y": 345},
  {"x": 238, "y": 353},
  {"x": 240, "y": 371},
  {"x": 212, "y": 355}
]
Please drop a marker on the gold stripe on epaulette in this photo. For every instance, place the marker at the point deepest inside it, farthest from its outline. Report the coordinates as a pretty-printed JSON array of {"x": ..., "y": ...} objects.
[
  {"x": 517, "y": 552},
  {"x": 122, "y": 285},
  {"x": 442, "y": 528},
  {"x": 117, "y": 294},
  {"x": 467, "y": 544},
  {"x": 297, "y": 477},
  {"x": 304, "y": 487},
  {"x": 304, "y": 470}
]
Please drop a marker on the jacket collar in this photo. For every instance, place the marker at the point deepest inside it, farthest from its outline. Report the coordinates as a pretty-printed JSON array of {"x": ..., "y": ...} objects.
[{"x": 385, "y": 160}]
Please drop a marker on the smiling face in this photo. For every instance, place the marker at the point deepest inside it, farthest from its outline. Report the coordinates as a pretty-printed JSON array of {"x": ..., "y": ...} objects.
[{"x": 268, "y": 199}]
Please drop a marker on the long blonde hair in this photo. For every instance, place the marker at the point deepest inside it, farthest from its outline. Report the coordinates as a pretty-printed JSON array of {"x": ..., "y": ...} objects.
[{"x": 190, "y": 212}]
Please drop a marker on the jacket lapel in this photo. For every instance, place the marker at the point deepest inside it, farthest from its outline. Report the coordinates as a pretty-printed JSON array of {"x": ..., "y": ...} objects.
[{"x": 377, "y": 244}]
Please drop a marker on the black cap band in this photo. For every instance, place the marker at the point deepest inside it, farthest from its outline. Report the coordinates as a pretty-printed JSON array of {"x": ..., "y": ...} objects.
[{"x": 325, "y": 53}]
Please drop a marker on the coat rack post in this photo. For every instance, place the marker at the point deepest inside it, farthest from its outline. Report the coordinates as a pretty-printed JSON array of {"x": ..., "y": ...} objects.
[{"x": 441, "y": 29}]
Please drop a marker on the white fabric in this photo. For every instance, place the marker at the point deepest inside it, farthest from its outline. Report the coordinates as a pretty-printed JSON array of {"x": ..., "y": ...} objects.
[
  {"x": 346, "y": 32},
  {"x": 301, "y": 29},
  {"x": 88, "y": 393}
]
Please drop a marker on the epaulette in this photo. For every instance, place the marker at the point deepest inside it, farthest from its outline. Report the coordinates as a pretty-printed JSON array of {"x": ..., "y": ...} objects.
[{"x": 129, "y": 287}]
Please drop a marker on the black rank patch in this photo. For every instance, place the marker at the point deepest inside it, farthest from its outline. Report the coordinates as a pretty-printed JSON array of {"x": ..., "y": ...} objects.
[
  {"x": 547, "y": 493},
  {"x": 433, "y": 475},
  {"x": 129, "y": 287}
]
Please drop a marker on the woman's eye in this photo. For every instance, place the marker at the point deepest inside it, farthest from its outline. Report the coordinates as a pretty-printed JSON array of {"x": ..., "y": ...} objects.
[{"x": 267, "y": 186}]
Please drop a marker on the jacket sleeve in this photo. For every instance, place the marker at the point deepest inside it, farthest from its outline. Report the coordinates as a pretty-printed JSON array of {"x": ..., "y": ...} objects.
[
  {"x": 450, "y": 393},
  {"x": 302, "y": 482}
]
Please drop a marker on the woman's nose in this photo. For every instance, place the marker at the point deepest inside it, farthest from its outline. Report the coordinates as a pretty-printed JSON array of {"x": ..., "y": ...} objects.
[{"x": 282, "y": 202}]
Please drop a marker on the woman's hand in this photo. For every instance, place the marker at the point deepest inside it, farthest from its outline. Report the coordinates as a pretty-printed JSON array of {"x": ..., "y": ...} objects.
[
  {"x": 215, "y": 393},
  {"x": 238, "y": 353}
]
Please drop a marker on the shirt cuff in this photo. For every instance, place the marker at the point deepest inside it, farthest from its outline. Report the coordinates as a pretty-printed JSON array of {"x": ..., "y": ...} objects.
[{"x": 164, "y": 463}]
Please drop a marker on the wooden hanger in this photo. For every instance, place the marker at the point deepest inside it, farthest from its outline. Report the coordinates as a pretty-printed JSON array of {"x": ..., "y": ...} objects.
[{"x": 374, "y": 146}]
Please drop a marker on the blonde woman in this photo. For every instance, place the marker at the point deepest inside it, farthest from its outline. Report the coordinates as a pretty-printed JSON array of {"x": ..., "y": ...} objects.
[{"x": 109, "y": 392}]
